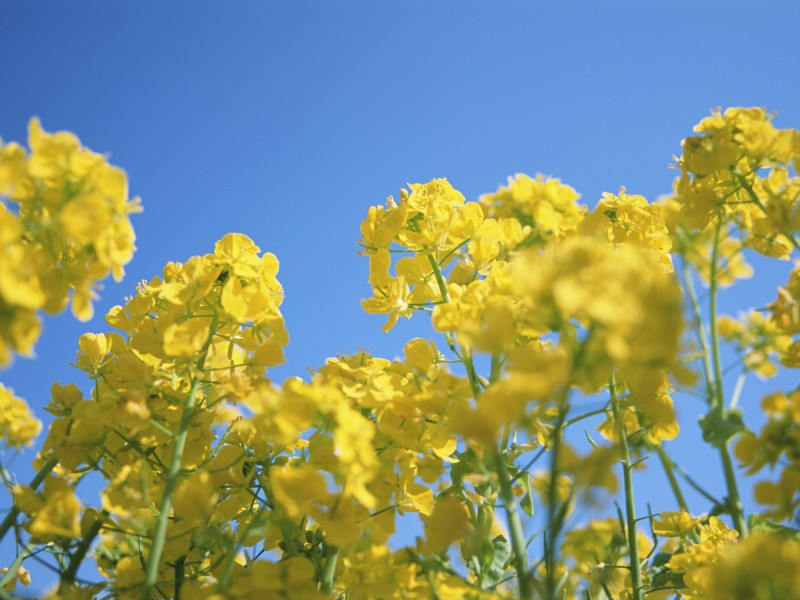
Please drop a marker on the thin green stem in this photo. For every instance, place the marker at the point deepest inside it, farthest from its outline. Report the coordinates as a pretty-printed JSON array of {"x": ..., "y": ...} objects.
[
  {"x": 673, "y": 481},
  {"x": 180, "y": 576},
  {"x": 437, "y": 273},
  {"x": 9, "y": 575},
  {"x": 586, "y": 415},
  {"x": 520, "y": 558},
  {"x": 514, "y": 521},
  {"x": 555, "y": 513},
  {"x": 717, "y": 401},
  {"x": 523, "y": 472},
  {"x": 630, "y": 507},
  {"x": 472, "y": 376},
  {"x": 699, "y": 328},
  {"x": 690, "y": 480},
  {"x": 173, "y": 474},
  {"x": 229, "y": 556},
  {"x": 83, "y": 548},
  {"x": 465, "y": 354},
  {"x": 524, "y": 577},
  {"x": 734, "y": 500}
]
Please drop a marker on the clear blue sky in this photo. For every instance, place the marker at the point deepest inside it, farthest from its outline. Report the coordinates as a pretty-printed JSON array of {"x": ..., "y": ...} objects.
[{"x": 287, "y": 120}]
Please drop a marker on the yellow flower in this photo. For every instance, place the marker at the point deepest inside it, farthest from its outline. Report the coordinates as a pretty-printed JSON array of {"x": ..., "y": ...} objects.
[
  {"x": 631, "y": 220},
  {"x": 297, "y": 488},
  {"x": 186, "y": 339},
  {"x": 58, "y": 518},
  {"x": 18, "y": 427},
  {"x": 22, "y": 575},
  {"x": 782, "y": 495},
  {"x": 449, "y": 522},
  {"x": 424, "y": 355},
  {"x": 195, "y": 498},
  {"x": 674, "y": 524},
  {"x": 545, "y": 204}
]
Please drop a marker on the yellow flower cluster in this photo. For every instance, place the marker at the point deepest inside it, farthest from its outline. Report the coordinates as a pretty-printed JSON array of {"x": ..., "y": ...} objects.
[
  {"x": 17, "y": 426},
  {"x": 719, "y": 166},
  {"x": 220, "y": 484},
  {"x": 700, "y": 547},
  {"x": 778, "y": 443},
  {"x": 525, "y": 262},
  {"x": 192, "y": 356},
  {"x": 546, "y": 207},
  {"x": 763, "y": 567},
  {"x": 69, "y": 229},
  {"x": 759, "y": 339},
  {"x": 735, "y": 175},
  {"x": 593, "y": 556}
]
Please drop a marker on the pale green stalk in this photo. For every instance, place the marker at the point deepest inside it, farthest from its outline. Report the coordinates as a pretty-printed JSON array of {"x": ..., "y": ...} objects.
[
  {"x": 717, "y": 400},
  {"x": 329, "y": 570},
  {"x": 713, "y": 375},
  {"x": 555, "y": 513},
  {"x": 68, "y": 578},
  {"x": 515, "y": 529},
  {"x": 509, "y": 501},
  {"x": 673, "y": 481},
  {"x": 630, "y": 507},
  {"x": 173, "y": 474}
]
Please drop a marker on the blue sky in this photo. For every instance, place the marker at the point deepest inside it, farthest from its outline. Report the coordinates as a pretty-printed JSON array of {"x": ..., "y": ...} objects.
[{"x": 287, "y": 120}]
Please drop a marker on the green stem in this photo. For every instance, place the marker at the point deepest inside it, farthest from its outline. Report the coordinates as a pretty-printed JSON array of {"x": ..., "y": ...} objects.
[
  {"x": 690, "y": 480},
  {"x": 472, "y": 376},
  {"x": 717, "y": 400},
  {"x": 465, "y": 355},
  {"x": 555, "y": 513},
  {"x": 83, "y": 548},
  {"x": 173, "y": 474},
  {"x": 495, "y": 368},
  {"x": 13, "y": 513},
  {"x": 734, "y": 500},
  {"x": 329, "y": 570},
  {"x": 515, "y": 529},
  {"x": 700, "y": 329},
  {"x": 229, "y": 556},
  {"x": 586, "y": 415},
  {"x": 437, "y": 273},
  {"x": 630, "y": 507},
  {"x": 9, "y": 575},
  {"x": 514, "y": 522},
  {"x": 673, "y": 481},
  {"x": 180, "y": 576}
]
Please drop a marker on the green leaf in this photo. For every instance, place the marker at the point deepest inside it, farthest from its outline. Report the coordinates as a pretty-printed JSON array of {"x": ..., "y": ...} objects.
[
  {"x": 494, "y": 570},
  {"x": 720, "y": 426},
  {"x": 770, "y": 527},
  {"x": 526, "y": 504}
]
